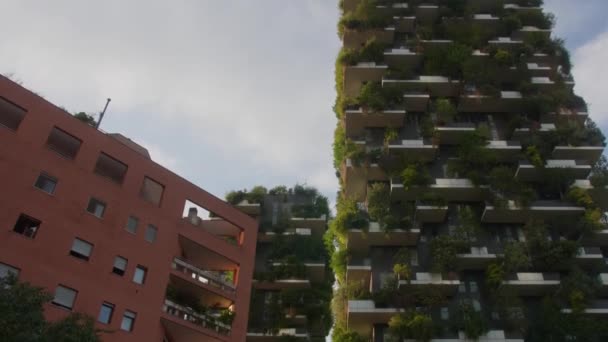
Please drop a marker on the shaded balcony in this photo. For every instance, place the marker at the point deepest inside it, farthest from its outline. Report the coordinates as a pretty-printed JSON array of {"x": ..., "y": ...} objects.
[
  {"x": 450, "y": 189},
  {"x": 590, "y": 257},
  {"x": 507, "y": 101},
  {"x": 532, "y": 284},
  {"x": 356, "y": 75},
  {"x": 596, "y": 308},
  {"x": 477, "y": 259},
  {"x": 356, "y": 177},
  {"x": 359, "y": 270},
  {"x": 573, "y": 168},
  {"x": 355, "y": 39},
  {"x": 506, "y": 43},
  {"x": 437, "y": 280},
  {"x": 589, "y": 154},
  {"x": 438, "y": 86},
  {"x": 363, "y": 314},
  {"x": 184, "y": 324},
  {"x": 429, "y": 213},
  {"x": 402, "y": 57},
  {"x": 427, "y": 14},
  {"x": 540, "y": 210},
  {"x": 599, "y": 194},
  {"x": 357, "y": 120},
  {"x": 281, "y": 335},
  {"x": 414, "y": 101},
  {"x": 418, "y": 149},
  {"x": 361, "y": 240}
]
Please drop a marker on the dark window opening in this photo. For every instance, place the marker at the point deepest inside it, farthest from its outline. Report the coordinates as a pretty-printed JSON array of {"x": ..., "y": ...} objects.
[
  {"x": 152, "y": 191},
  {"x": 11, "y": 115},
  {"x": 96, "y": 207},
  {"x": 63, "y": 143},
  {"x": 27, "y": 226},
  {"x": 110, "y": 167},
  {"x": 120, "y": 266},
  {"x": 46, "y": 183},
  {"x": 151, "y": 232}
]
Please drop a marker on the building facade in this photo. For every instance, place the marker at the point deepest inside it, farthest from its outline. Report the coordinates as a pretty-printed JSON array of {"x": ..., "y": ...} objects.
[
  {"x": 473, "y": 182},
  {"x": 110, "y": 233},
  {"x": 292, "y": 284}
]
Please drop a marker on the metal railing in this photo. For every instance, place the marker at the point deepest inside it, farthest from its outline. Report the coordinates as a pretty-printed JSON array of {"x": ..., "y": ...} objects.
[
  {"x": 187, "y": 314},
  {"x": 206, "y": 277}
]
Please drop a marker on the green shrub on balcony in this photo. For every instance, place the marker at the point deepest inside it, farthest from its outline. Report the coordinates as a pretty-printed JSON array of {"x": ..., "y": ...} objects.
[
  {"x": 447, "y": 61},
  {"x": 372, "y": 51},
  {"x": 599, "y": 173},
  {"x": 375, "y": 97},
  {"x": 505, "y": 186},
  {"x": 415, "y": 175},
  {"x": 547, "y": 255},
  {"x": 378, "y": 201},
  {"x": 470, "y": 321},
  {"x": 579, "y": 289},
  {"x": 364, "y": 17},
  {"x": 444, "y": 249},
  {"x": 412, "y": 325}
]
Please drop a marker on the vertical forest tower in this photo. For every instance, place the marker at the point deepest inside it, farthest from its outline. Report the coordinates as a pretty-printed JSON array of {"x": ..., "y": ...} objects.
[{"x": 472, "y": 179}]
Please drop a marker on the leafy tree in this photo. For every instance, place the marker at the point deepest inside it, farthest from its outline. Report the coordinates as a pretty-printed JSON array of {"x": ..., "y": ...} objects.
[
  {"x": 86, "y": 118},
  {"x": 22, "y": 317}
]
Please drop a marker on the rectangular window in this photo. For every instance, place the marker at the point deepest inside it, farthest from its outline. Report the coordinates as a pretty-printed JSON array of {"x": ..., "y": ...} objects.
[
  {"x": 27, "y": 226},
  {"x": 139, "y": 276},
  {"x": 112, "y": 168},
  {"x": 81, "y": 249},
  {"x": 5, "y": 270},
  {"x": 128, "y": 321},
  {"x": 152, "y": 191},
  {"x": 132, "y": 224},
  {"x": 105, "y": 313},
  {"x": 46, "y": 183},
  {"x": 11, "y": 115},
  {"x": 63, "y": 143},
  {"x": 120, "y": 265},
  {"x": 65, "y": 297},
  {"x": 96, "y": 207},
  {"x": 151, "y": 232},
  {"x": 445, "y": 314}
]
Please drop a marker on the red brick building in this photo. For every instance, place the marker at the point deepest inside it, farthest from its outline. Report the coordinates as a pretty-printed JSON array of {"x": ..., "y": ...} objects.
[{"x": 90, "y": 217}]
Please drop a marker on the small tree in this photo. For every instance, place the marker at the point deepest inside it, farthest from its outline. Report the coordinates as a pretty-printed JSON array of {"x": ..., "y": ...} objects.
[{"x": 86, "y": 118}]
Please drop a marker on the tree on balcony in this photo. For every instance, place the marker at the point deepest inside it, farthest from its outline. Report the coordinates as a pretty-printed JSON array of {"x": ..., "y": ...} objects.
[
  {"x": 411, "y": 324},
  {"x": 86, "y": 118}
]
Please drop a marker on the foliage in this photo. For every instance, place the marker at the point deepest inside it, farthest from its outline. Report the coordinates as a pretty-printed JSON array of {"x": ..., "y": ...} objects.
[
  {"x": 599, "y": 173},
  {"x": 446, "y": 111},
  {"x": 545, "y": 254},
  {"x": 444, "y": 249},
  {"x": 412, "y": 324},
  {"x": 402, "y": 271},
  {"x": 378, "y": 201},
  {"x": 86, "y": 118},
  {"x": 375, "y": 97},
  {"x": 448, "y": 61},
  {"x": 503, "y": 183},
  {"x": 255, "y": 195},
  {"x": 415, "y": 175},
  {"x": 339, "y": 146},
  {"x": 390, "y": 134},
  {"x": 534, "y": 157},
  {"x": 470, "y": 321},
  {"x": 302, "y": 247},
  {"x": 280, "y": 190},
  {"x": 579, "y": 288},
  {"x": 516, "y": 258},
  {"x": 22, "y": 316},
  {"x": 372, "y": 51},
  {"x": 495, "y": 274}
]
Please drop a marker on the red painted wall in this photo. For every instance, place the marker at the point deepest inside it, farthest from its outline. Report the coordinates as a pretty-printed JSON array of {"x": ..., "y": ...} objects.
[{"x": 45, "y": 260}]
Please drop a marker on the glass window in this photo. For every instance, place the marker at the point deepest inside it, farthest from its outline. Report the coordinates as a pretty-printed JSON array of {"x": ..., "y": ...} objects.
[
  {"x": 151, "y": 232},
  {"x": 64, "y": 297},
  {"x": 11, "y": 114},
  {"x": 152, "y": 191},
  {"x": 132, "y": 224},
  {"x": 6, "y": 269},
  {"x": 27, "y": 226},
  {"x": 46, "y": 183},
  {"x": 473, "y": 287},
  {"x": 105, "y": 313},
  {"x": 96, "y": 207},
  {"x": 462, "y": 288},
  {"x": 81, "y": 249},
  {"x": 128, "y": 321},
  {"x": 445, "y": 314},
  {"x": 139, "y": 276},
  {"x": 63, "y": 143},
  {"x": 110, "y": 167},
  {"x": 120, "y": 265},
  {"x": 476, "y": 305}
]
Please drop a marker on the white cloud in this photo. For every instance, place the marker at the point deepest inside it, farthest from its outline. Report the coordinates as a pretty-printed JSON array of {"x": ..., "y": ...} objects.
[{"x": 591, "y": 75}]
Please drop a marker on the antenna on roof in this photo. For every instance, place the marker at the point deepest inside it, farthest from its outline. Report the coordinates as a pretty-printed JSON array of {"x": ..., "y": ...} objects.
[{"x": 103, "y": 113}]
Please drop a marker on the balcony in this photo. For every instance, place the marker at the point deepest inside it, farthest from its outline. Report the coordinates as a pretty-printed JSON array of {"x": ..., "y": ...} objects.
[
  {"x": 530, "y": 31},
  {"x": 590, "y": 257},
  {"x": 509, "y": 101},
  {"x": 405, "y": 24},
  {"x": 427, "y": 14},
  {"x": 532, "y": 284},
  {"x": 416, "y": 101},
  {"x": 355, "y": 39},
  {"x": 477, "y": 259},
  {"x": 599, "y": 195},
  {"x": 486, "y": 19},
  {"x": 431, "y": 213},
  {"x": 183, "y": 324},
  {"x": 597, "y": 238},
  {"x": 282, "y": 334},
  {"x": 539, "y": 210},
  {"x": 249, "y": 208},
  {"x": 356, "y": 178},
  {"x": 564, "y": 114},
  {"x": 402, "y": 57},
  {"x": 597, "y": 308},
  {"x": 450, "y": 189},
  {"x": 355, "y": 75},
  {"x": 357, "y": 120},
  {"x": 438, "y": 86},
  {"x": 204, "y": 277},
  {"x": 515, "y": 7},
  {"x": 504, "y": 151},
  {"x": 360, "y": 240},
  {"x": 314, "y": 271},
  {"x": 436, "y": 43},
  {"x": 572, "y": 168},
  {"x": 317, "y": 225},
  {"x": 590, "y": 154},
  {"x": 506, "y": 43},
  {"x": 540, "y": 70},
  {"x": 424, "y": 279},
  {"x": 350, "y": 5},
  {"x": 413, "y": 149},
  {"x": 269, "y": 236},
  {"x": 359, "y": 271},
  {"x": 526, "y": 132},
  {"x": 453, "y": 134},
  {"x": 363, "y": 314}
]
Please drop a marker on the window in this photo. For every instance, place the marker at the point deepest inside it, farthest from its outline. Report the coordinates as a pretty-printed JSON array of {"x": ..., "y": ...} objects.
[
  {"x": 65, "y": 297},
  {"x": 445, "y": 314},
  {"x": 151, "y": 232},
  {"x": 63, "y": 143},
  {"x": 105, "y": 313},
  {"x": 81, "y": 249},
  {"x": 473, "y": 287},
  {"x": 11, "y": 115},
  {"x": 128, "y": 321},
  {"x": 27, "y": 226},
  {"x": 96, "y": 207},
  {"x": 5, "y": 270},
  {"x": 152, "y": 191},
  {"x": 46, "y": 183},
  {"x": 132, "y": 224},
  {"x": 120, "y": 265},
  {"x": 112, "y": 168},
  {"x": 139, "y": 276}
]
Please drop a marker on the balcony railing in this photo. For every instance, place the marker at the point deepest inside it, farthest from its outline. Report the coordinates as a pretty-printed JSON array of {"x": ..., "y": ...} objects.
[
  {"x": 205, "y": 321},
  {"x": 203, "y": 276}
]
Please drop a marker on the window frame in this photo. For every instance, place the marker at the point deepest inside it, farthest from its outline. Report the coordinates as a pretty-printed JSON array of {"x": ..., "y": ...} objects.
[
  {"x": 131, "y": 316},
  {"x": 136, "y": 219},
  {"x": 143, "y": 269},
  {"x": 143, "y": 194},
  {"x": 55, "y": 148},
  {"x": 77, "y": 255},
  {"x": 48, "y": 177},
  {"x": 9, "y": 269},
  {"x": 56, "y": 303},
  {"x": 114, "y": 268},
  {"x": 11, "y": 103},
  {"x": 98, "y": 201},
  {"x": 26, "y": 233},
  {"x": 153, "y": 230},
  {"x": 110, "y": 315},
  {"x": 110, "y": 160}
]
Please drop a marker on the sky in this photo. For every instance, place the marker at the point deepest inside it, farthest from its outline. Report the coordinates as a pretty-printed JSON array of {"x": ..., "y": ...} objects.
[{"x": 226, "y": 93}]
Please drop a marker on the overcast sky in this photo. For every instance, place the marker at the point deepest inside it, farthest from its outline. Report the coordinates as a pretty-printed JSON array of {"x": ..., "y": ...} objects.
[{"x": 227, "y": 93}]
